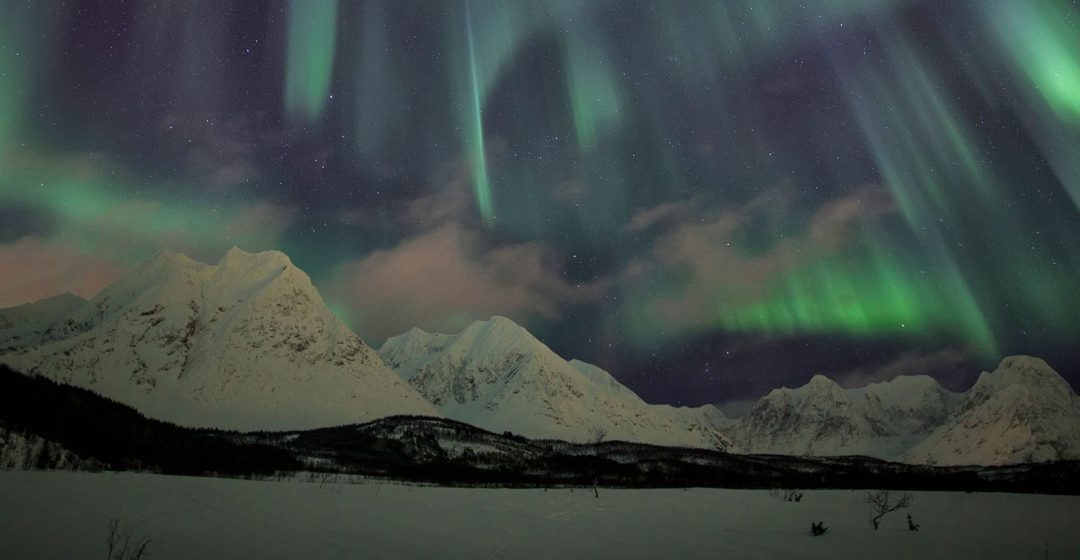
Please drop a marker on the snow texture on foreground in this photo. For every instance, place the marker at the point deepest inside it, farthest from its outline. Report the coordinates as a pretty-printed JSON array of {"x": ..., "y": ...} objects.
[{"x": 63, "y": 515}]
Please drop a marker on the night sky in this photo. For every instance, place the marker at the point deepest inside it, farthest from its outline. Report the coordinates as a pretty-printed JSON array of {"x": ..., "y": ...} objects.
[{"x": 708, "y": 198}]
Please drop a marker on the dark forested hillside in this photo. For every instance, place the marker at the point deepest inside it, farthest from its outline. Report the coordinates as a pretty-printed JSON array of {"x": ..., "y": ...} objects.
[
  {"x": 118, "y": 436},
  {"x": 440, "y": 451}
]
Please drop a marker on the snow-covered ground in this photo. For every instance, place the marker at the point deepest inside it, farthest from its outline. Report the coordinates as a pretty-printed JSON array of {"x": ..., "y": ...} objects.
[{"x": 63, "y": 515}]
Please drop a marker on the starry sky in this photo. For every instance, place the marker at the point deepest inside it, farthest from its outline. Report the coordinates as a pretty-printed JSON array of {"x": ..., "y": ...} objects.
[{"x": 708, "y": 198}]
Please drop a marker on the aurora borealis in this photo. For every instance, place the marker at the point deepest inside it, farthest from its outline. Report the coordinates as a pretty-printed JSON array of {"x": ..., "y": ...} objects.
[{"x": 707, "y": 198}]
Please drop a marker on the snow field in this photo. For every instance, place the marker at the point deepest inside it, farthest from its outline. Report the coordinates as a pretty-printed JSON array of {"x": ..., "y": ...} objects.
[{"x": 63, "y": 514}]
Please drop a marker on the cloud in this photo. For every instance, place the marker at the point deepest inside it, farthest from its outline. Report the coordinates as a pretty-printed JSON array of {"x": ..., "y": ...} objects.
[
  {"x": 950, "y": 367},
  {"x": 261, "y": 223},
  {"x": 835, "y": 223},
  {"x": 34, "y": 269},
  {"x": 451, "y": 202},
  {"x": 217, "y": 153},
  {"x": 646, "y": 218},
  {"x": 701, "y": 249},
  {"x": 448, "y": 270},
  {"x": 446, "y": 277}
]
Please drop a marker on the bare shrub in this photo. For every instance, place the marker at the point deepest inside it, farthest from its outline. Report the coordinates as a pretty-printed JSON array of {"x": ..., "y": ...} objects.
[
  {"x": 884, "y": 502},
  {"x": 122, "y": 544}
]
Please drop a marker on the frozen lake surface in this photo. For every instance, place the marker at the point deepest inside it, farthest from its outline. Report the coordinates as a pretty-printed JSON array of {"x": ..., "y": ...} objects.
[{"x": 63, "y": 515}]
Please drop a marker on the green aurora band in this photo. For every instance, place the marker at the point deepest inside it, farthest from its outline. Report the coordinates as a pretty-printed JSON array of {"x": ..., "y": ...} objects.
[
  {"x": 310, "y": 59},
  {"x": 474, "y": 135},
  {"x": 959, "y": 260}
]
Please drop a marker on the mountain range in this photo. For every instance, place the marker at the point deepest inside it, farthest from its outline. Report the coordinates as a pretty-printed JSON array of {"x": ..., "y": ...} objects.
[{"x": 249, "y": 344}]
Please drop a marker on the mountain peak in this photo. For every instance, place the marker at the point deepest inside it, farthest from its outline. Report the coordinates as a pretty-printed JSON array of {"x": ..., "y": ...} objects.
[
  {"x": 1022, "y": 363},
  {"x": 817, "y": 385},
  {"x": 498, "y": 322},
  {"x": 166, "y": 257},
  {"x": 820, "y": 380},
  {"x": 498, "y": 330},
  {"x": 909, "y": 385},
  {"x": 238, "y": 257},
  {"x": 247, "y": 343},
  {"x": 1025, "y": 371}
]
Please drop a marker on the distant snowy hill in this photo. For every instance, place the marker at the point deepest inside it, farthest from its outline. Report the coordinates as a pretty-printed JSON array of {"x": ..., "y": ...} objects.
[
  {"x": 1021, "y": 412},
  {"x": 24, "y": 324},
  {"x": 496, "y": 375},
  {"x": 244, "y": 344},
  {"x": 821, "y": 418}
]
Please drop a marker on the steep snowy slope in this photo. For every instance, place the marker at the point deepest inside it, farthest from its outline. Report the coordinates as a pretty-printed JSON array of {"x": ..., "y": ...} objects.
[
  {"x": 1021, "y": 412},
  {"x": 821, "y": 418},
  {"x": 25, "y": 324},
  {"x": 23, "y": 451},
  {"x": 496, "y": 375},
  {"x": 605, "y": 381},
  {"x": 244, "y": 344}
]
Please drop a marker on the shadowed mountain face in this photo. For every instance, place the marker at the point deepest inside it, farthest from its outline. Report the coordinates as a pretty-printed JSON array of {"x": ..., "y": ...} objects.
[{"x": 247, "y": 343}]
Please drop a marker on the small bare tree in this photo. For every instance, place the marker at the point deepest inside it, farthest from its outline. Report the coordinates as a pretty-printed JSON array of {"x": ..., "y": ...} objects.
[
  {"x": 598, "y": 434},
  {"x": 883, "y": 502},
  {"x": 122, "y": 544}
]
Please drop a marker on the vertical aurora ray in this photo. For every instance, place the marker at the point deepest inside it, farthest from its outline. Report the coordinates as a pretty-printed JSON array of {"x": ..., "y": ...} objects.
[
  {"x": 309, "y": 64},
  {"x": 1041, "y": 41},
  {"x": 25, "y": 46},
  {"x": 474, "y": 134},
  {"x": 593, "y": 89},
  {"x": 481, "y": 47},
  {"x": 375, "y": 85},
  {"x": 953, "y": 198}
]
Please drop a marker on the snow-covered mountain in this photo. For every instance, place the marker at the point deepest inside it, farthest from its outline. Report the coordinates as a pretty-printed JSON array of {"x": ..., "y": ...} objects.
[
  {"x": 822, "y": 418},
  {"x": 247, "y": 343},
  {"x": 24, "y": 324},
  {"x": 1021, "y": 412},
  {"x": 496, "y": 375}
]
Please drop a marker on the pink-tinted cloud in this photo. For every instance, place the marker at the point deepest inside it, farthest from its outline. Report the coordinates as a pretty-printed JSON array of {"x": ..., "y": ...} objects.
[
  {"x": 32, "y": 269},
  {"x": 444, "y": 278},
  {"x": 647, "y": 218}
]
